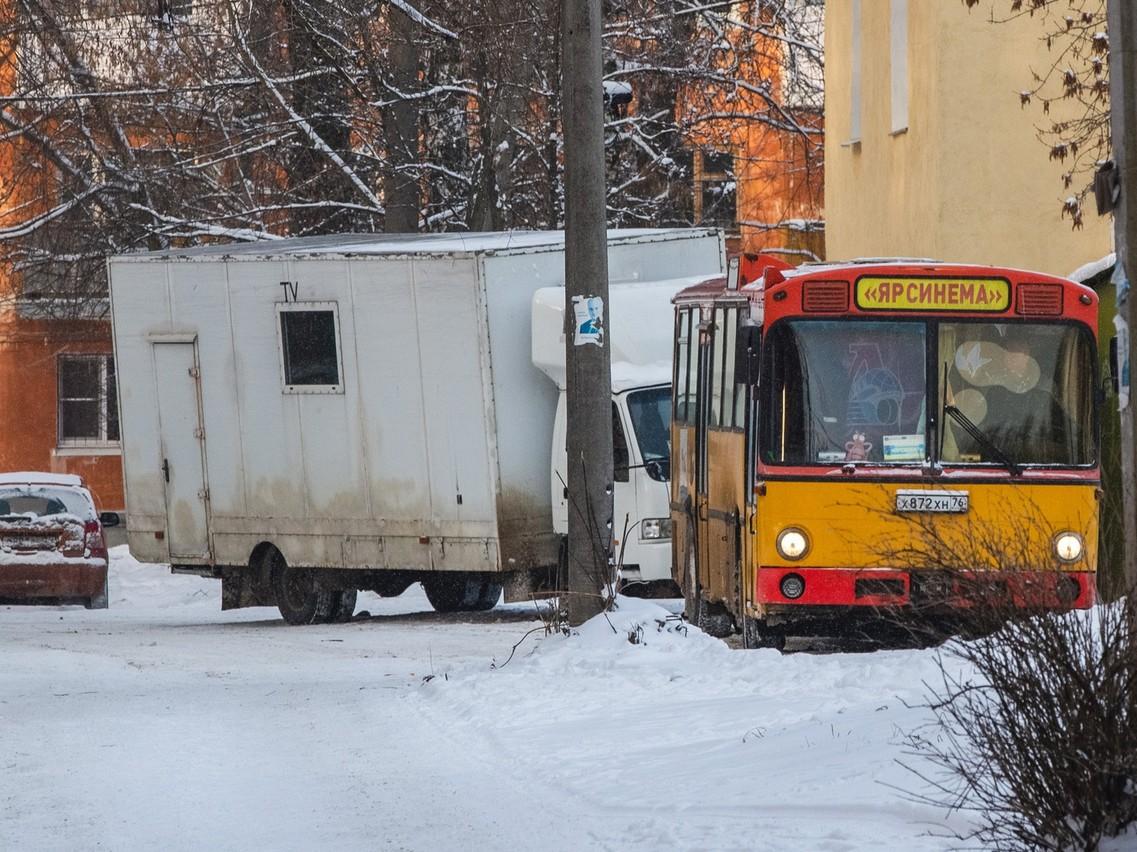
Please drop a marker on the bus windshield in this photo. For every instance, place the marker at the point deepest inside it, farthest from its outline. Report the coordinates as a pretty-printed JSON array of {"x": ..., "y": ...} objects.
[
  {"x": 836, "y": 391},
  {"x": 1027, "y": 388}
]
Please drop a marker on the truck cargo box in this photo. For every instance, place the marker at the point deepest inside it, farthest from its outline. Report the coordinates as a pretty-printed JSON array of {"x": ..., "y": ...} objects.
[{"x": 358, "y": 402}]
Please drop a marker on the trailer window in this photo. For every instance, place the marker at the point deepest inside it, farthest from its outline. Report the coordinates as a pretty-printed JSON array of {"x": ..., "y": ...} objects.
[{"x": 309, "y": 347}]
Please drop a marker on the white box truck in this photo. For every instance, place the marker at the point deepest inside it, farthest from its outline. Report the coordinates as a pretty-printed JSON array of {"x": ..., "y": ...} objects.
[
  {"x": 637, "y": 315},
  {"x": 306, "y": 418}
]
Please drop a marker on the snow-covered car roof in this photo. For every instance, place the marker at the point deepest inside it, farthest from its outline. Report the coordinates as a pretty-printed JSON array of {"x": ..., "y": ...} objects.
[{"x": 26, "y": 477}]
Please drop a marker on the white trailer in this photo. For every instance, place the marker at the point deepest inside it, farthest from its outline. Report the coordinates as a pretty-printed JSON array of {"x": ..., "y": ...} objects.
[{"x": 305, "y": 418}]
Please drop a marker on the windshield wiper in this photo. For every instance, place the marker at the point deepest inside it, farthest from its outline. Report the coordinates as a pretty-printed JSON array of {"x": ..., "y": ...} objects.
[{"x": 981, "y": 438}]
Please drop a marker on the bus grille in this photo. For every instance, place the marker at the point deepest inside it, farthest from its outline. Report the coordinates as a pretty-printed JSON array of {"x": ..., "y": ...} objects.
[
  {"x": 1039, "y": 300},
  {"x": 825, "y": 297}
]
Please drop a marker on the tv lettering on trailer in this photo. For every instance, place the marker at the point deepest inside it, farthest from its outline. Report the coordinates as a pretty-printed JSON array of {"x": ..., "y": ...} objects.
[{"x": 933, "y": 294}]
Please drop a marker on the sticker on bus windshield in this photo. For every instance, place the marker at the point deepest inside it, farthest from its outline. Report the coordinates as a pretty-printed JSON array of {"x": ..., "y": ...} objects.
[
  {"x": 898, "y": 448},
  {"x": 933, "y": 294}
]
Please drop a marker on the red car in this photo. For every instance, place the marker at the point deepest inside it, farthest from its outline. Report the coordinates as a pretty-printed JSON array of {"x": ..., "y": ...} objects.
[{"x": 52, "y": 549}]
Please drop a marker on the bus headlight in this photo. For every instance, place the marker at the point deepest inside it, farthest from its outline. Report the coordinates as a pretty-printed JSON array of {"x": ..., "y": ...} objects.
[
  {"x": 792, "y": 543},
  {"x": 1068, "y": 546},
  {"x": 653, "y": 529}
]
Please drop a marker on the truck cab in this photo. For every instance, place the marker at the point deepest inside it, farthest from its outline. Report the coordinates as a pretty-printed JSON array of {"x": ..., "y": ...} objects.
[{"x": 640, "y": 322}]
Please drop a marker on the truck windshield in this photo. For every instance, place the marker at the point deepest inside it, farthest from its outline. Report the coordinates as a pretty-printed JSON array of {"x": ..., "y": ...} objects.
[
  {"x": 650, "y": 411},
  {"x": 839, "y": 391},
  {"x": 1028, "y": 388}
]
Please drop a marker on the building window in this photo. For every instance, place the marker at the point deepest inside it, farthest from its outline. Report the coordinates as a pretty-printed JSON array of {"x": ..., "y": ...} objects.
[
  {"x": 898, "y": 38},
  {"x": 168, "y": 11},
  {"x": 88, "y": 401},
  {"x": 715, "y": 195},
  {"x": 310, "y": 347}
]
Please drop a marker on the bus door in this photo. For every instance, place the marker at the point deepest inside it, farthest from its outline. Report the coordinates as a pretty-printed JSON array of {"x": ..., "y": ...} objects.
[
  {"x": 702, "y": 406},
  {"x": 722, "y": 459},
  {"x": 684, "y": 422}
]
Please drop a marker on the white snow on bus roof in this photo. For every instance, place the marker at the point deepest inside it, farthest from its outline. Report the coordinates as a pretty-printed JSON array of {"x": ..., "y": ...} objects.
[
  {"x": 26, "y": 477},
  {"x": 404, "y": 244}
]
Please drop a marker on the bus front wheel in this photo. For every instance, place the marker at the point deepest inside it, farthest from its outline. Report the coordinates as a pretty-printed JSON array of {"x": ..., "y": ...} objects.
[{"x": 758, "y": 635}]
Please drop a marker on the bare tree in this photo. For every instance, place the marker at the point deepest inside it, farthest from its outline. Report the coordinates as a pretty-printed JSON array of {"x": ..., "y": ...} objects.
[
  {"x": 1076, "y": 76},
  {"x": 145, "y": 124}
]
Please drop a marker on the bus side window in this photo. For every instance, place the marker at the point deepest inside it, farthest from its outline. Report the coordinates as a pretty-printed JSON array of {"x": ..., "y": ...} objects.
[
  {"x": 682, "y": 350},
  {"x": 690, "y": 412},
  {"x": 715, "y": 416},
  {"x": 729, "y": 346},
  {"x": 782, "y": 438}
]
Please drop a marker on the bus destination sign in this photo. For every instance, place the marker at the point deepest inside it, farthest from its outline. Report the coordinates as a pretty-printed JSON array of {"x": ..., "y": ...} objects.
[{"x": 904, "y": 293}]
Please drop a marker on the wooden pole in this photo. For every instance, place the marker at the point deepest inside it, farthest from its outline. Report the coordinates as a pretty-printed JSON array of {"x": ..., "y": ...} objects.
[
  {"x": 588, "y": 361},
  {"x": 1122, "y": 22}
]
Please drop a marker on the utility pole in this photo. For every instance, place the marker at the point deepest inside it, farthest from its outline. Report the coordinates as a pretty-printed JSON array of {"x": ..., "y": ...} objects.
[
  {"x": 587, "y": 354},
  {"x": 1122, "y": 27}
]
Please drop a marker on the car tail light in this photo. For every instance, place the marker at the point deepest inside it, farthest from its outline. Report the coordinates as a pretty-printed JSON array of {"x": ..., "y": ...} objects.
[{"x": 94, "y": 544}]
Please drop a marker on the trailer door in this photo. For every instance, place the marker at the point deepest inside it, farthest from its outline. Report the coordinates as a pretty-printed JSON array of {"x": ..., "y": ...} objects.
[{"x": 183, "y": 449}]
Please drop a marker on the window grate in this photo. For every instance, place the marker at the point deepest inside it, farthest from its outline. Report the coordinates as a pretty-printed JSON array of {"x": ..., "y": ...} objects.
[
  {"x": 1039, "y": 300},
  {"x": 825, "y": 297},
  {"x": 87, "y": 401}
]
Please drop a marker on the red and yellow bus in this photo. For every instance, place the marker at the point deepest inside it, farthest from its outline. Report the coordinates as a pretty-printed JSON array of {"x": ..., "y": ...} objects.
[{"x": 908, "y": 435}]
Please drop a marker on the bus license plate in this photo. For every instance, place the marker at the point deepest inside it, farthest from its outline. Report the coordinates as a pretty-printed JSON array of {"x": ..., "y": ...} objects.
[{"x": 932, "y": 501}]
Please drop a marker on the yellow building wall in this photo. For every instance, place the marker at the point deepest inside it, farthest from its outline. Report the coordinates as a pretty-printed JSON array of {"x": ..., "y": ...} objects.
[{"x": 969, "y": 179}]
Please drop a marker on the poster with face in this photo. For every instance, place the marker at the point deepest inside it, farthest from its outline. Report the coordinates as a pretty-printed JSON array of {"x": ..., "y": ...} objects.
[{"x": 588, "y": 312}]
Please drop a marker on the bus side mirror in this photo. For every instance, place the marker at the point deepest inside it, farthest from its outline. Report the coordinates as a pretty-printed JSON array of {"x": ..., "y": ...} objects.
[
  {"x": 1114, "y": 367},
  {"x": 748, "y": 344}
]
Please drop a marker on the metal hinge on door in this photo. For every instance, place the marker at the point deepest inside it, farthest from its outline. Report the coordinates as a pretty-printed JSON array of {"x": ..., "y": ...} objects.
[
  {"x": 203, "y": 494},
  {"x": 195, "y": 373},
  {"x": 199, "y": 433}
]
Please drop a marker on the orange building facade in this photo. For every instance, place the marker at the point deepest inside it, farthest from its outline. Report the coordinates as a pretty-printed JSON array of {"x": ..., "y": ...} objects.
[
  {"x": 763, "y": 140},
  {"x": 58, "y": 403},
  {"x": 58, "y": 396}
]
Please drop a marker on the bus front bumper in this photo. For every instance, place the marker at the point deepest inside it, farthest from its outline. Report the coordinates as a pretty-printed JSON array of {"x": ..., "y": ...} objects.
[{"x": 788, "y": 589}]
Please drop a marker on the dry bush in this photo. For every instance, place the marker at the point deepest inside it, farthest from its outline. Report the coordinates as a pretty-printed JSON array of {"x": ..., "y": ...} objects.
[
  {"x": 1039, "y": 737},
  {"x": 1034, "y": 725}
]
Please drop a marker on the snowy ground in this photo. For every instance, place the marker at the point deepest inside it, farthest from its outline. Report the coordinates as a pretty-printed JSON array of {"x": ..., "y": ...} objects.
[{"x": 165, "y": 723}]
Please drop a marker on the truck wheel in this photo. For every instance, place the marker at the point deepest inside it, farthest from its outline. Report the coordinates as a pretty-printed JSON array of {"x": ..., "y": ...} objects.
[
  {"x": 391, "y": 588},
  {"x": 298, "y": 598},
  {"x": 343, "y": 606},
  {"x": 488, "y": 597},
  {"x": 461, "y": 593}
]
